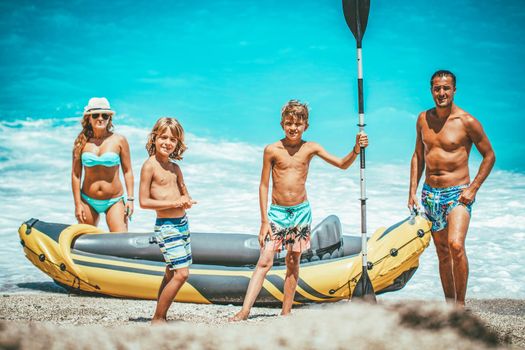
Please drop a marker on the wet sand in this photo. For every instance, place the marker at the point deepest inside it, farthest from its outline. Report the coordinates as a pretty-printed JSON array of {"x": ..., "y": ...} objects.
[{"x": 59, "y": 321}]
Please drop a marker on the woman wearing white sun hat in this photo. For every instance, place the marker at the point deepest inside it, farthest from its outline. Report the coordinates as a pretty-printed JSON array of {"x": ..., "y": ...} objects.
[{"x": 100, "y": 152}]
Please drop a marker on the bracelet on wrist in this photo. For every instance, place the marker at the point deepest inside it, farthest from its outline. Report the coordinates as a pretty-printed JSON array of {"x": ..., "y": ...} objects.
[
  {"x": 131, "y": 199},
  {"x": 353, "y": 150}
]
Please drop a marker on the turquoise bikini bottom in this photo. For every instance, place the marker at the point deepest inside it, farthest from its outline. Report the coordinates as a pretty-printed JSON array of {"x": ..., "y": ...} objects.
[{"x": 101, "y": 205}]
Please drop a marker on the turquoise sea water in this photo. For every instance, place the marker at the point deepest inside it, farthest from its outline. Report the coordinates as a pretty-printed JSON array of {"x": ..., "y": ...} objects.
[
  {"x": 223, "y": 176},
  {"x": 225, "y": 68}
]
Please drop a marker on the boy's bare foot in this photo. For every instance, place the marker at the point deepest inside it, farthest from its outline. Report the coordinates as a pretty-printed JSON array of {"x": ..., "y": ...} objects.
[
  {"x": 157, "y": 321},
  {"x": 460, "y": 305},
  {"x": 286, "y": 314},
  {"x": 240, "y": 316}
]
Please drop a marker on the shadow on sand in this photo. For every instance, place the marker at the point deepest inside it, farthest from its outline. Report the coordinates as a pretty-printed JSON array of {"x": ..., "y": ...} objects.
[{"x": 49, "y": 287}]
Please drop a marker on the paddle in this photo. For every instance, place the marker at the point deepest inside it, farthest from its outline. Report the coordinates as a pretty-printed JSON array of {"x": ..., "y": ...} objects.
[{"x": 356, "y": 16}]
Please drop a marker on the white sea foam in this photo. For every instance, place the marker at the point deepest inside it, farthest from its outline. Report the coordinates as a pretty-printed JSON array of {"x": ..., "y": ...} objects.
[{"x": 223, "y": 176}]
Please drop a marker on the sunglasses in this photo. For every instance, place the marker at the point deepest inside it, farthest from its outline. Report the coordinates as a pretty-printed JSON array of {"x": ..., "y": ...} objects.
[{"x": 104, "y": 116}]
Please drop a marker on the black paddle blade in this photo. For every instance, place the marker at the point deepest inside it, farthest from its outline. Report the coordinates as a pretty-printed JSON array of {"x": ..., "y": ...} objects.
[
  {"x": 364, "y": 290},
  {"x": 356, "y": 16}
]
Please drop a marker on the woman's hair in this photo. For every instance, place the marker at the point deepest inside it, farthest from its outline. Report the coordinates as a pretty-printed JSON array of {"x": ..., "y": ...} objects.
[
  {"x": 295, "y": 108},
  {"x": 86, "y": 133},
  {"x": 176, "y": 129}
]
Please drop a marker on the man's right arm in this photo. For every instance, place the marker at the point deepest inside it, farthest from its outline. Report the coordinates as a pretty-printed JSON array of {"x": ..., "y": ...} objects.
[
  {"x": 263, "y": 194},
  {"x": 417, "y": 165}
]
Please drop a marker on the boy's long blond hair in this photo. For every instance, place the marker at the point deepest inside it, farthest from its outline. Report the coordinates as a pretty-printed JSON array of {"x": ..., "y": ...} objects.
[
  {"x": 86, "y": 134},
  {"x": 294, "y": 108},
  {"x": 175, "y": 128}
]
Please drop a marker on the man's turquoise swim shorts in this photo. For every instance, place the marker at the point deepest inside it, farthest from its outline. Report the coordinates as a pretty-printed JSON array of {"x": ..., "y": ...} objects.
[{"x": 439, "y": 202}]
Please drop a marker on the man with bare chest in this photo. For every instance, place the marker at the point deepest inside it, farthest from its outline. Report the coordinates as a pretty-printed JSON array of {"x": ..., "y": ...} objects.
[
  {"x": 445, "y": 135},
  {"x": 286, "y": 225}
]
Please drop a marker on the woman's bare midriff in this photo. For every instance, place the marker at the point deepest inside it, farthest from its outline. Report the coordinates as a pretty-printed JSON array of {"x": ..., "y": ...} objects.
[{"x": 102, "y": 183}]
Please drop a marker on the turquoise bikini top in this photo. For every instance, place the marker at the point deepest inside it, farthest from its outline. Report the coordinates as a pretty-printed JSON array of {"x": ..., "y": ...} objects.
[{"x": 107, "y": 159}]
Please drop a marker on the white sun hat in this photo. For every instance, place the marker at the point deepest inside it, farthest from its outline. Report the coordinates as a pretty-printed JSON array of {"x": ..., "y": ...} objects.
[{"x": 98, "y": 105}]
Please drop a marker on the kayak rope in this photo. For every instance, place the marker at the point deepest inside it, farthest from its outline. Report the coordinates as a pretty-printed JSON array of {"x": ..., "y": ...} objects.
[
  {"x": 393, "y": 252},
  {"x": 62, "y": 267}
]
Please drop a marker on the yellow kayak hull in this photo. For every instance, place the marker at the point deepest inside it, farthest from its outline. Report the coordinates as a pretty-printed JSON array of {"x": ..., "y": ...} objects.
[{"x": 393, "y": 254}]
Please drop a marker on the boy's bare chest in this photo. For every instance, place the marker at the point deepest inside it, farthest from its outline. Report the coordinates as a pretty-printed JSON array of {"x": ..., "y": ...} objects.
[
  {"x": 165, "y": 177},
  {"x": 298, "y": 161}
]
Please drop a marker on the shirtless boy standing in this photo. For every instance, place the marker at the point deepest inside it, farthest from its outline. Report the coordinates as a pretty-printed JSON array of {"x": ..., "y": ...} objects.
[
  {"x": 287, "y": 223},
  {"x": 162, "y": 189},
  {"x": 445, "y": 135}
]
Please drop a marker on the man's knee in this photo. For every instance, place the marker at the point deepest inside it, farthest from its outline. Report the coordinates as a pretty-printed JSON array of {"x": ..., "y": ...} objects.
[
  {"x": 441, "y": 246},
  {"x": 456, "y": 247},
  {"x": 444, "y": 257}
]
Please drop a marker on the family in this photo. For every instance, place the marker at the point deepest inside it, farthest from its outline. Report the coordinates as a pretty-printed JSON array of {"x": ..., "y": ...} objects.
[{"x": 444, "y": 137}]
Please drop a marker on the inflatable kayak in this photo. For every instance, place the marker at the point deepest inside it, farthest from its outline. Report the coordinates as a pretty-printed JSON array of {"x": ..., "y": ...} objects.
[{"x": 82, "y": 258}]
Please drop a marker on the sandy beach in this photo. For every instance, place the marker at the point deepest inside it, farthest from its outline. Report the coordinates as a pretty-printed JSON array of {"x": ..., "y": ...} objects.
[{"x": 56, "y": 320}]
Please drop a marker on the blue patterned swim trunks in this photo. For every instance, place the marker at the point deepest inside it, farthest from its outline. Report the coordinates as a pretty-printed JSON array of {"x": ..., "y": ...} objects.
[
  {"x": 173, "y": 236},
  {"x": 290, "y": 227},
  {"x": 439, "y": 202}
]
